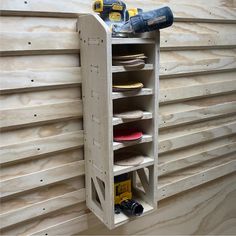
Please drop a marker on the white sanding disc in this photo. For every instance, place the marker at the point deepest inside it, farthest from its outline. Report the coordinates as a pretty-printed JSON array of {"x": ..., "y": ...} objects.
[
  {"x": 128, "y": 158},
  {"x": 136, "y": 114}
]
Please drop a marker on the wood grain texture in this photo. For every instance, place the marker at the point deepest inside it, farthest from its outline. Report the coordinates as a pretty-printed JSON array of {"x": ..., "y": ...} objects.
[
  {"x": 38, "y": 43},
  {"x": 23, "y": 80},
  {"x": 197, "y": 121},
  {"x": 37, "y": 114},
  {"x": 182, "y": 9},
  {"x": 37, "y": 24},
  {"x": 207, "y": 209},
  {"x": 188, "y": 62},
  {"x": 41, "y": 178},
  {"x": 190, "y": 134},
  {"x": 42, "y": 208}
]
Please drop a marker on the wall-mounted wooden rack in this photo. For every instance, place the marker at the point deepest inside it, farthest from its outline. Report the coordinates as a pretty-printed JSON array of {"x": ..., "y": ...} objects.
[{"x": 100, "y": 104}]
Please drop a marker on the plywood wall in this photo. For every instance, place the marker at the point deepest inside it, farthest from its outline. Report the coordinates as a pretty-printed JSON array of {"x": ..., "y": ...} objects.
[{"x": 42, "y": 167}]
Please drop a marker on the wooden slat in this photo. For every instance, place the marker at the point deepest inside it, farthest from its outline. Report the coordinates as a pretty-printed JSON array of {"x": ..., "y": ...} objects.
[
  {"x": 190, "y": 62},
  {"x": 42, "y": 194},
  {"x": 20, "y": 43},
  {"x": 22, "y": 80},
  {"x": 195, "y": 158},
  {"x": 41, "y": 178},
  {"x": 80, "y": 223},
  {"x": 44, "y": 113},
  {"x": 29, "y": 166},
  {"x": 172, "y": 116},
  {"x": 204, "y": 90},
  {"x": 182, "y": 41},
  {"x": 197, "y": 10},
  {"x": 41, "y": 208},
  {"x": 191, "y": 181},
  {"x": 41, "y": 223},
  {"x": 36, "y": 147},
  {"x": 37, "y": 24},
  {"x": 191, "y": 135},
  {"x": 39, "y": 97},
  {"x": 31, "y": 62}
]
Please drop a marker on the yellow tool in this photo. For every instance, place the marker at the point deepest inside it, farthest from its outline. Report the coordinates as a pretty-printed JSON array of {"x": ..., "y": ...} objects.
[
  {"x": 122, "y": 191},
  {"x": 123, "y": 197},
  {"x": 114, "y": 11}
]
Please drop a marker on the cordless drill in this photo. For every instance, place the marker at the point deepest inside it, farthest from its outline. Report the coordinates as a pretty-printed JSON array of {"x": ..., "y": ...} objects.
[
  {"x": 124, "y": 22},
  {"x": 114, "y": 12}
]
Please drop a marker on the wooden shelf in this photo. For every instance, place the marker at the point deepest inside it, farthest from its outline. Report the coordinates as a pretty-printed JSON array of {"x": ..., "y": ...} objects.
[
  {"x": 118, "y": 170},
  {"x": 145, "y": 139},
  {"x": 99, "y": 102},
  {"x": 118, "y": 69},
  {"x": 141, "y": 92},
  {"x": 118, "y": 121},
  {"x": 132, "y": 41}
]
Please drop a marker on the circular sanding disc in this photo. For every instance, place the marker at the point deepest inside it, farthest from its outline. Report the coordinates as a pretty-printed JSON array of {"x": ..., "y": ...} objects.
[
  {"x": 128, "y": 158},
  {"x": 136, "y": 114},
  {"x": 126, "y": 87},
  {"x": 127, "y": 135}
]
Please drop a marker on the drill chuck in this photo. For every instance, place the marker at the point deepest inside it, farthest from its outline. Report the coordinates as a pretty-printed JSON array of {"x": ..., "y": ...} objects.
[{"x": 152, "y": 20}]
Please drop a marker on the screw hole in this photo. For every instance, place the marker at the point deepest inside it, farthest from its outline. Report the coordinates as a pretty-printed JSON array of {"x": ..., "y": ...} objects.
[
  {"x": 165, "y": 69},
  {"x": 44, "y": 209},
  {"x": 165, "y": 41},
  {"x": 46, "y": 234},
  {"x": 102, "y": 40},
  {"x": 41, "y": 180},
  {"x": 25, "y": 2},
  {"x": 32, "y": 80},
  {"x": 38, "y": 149},
  {"x": 35, "y": 115},
  {"x": 29, "y": 43}
]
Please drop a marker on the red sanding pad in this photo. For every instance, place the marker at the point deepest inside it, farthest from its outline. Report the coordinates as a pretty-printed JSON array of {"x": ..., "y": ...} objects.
[{"x": 126, "y": 135}]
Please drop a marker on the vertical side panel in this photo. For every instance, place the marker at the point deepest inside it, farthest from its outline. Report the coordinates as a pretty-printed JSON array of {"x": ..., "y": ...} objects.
[{"x": 97, "y": 100}]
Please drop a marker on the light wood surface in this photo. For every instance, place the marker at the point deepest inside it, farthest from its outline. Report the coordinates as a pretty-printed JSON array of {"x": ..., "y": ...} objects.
[{"x": 196, "y": 116}]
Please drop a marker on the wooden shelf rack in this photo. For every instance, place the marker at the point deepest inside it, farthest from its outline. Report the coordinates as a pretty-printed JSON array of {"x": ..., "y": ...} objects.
[{"x": 100, "y": 103}]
